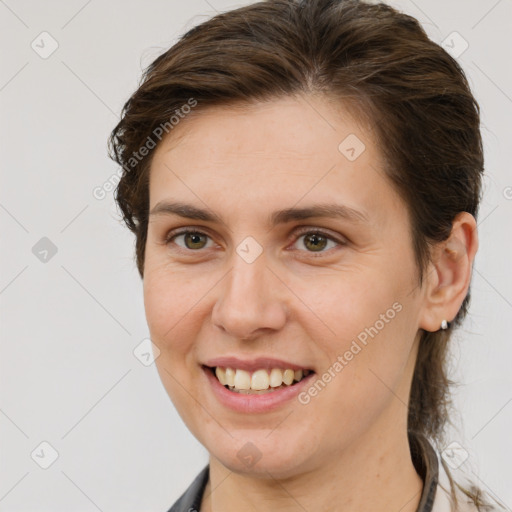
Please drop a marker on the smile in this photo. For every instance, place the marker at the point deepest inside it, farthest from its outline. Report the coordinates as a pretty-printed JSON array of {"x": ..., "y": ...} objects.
[{"x": 259, "y": 381}]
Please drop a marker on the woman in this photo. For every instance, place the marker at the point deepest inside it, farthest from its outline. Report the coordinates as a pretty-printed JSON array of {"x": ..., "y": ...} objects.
[{"x": 303, "y": 180}]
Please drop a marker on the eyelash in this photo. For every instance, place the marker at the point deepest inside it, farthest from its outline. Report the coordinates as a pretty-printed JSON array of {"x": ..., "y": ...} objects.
[{"x": 299, "y": 233}]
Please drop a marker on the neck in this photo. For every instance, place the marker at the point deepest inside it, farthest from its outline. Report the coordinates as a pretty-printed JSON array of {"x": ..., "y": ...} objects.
[{"x": 370, "y": 474}]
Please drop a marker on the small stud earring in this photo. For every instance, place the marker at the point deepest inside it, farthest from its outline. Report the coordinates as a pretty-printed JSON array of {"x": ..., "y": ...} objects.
[{"x": 444, "y": 325}]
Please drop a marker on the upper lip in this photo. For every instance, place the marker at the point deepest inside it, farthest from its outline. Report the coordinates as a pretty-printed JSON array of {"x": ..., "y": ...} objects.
[{"x": 254, "y": 364}]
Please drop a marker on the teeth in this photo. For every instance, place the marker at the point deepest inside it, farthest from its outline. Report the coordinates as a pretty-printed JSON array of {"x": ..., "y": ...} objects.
[
  {"x": 242, "y": 380},
  {"x": 260, "y": 380},
  {"x": 288, "y": 376},
  {"x": 276, "y": 377},
  {"x": 230, "y": 376},
  {"x": 221, "y": 375}
]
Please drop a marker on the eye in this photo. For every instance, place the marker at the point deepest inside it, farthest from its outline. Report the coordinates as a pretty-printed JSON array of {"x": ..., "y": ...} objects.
[
  {"x": 192, "y": 240},
  {"x": 314, "y": 240},
  {"x": 317, "y": 240}
]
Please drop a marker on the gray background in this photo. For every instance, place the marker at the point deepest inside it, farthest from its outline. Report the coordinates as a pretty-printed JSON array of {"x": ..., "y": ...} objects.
[{"x": 72, "y": 320}]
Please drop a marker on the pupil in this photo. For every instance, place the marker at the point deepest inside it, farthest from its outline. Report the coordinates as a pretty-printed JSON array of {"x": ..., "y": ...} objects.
[
  {"x": 318, "y": 242},
  {"x": 195, "y": 238}
]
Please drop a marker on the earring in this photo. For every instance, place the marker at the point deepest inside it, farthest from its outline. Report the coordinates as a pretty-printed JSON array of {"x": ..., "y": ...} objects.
[{"x": 444, "y": 325}]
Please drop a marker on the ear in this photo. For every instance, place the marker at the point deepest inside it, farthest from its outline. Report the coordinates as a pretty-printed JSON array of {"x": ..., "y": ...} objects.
[{"x": 449, "y": 274}]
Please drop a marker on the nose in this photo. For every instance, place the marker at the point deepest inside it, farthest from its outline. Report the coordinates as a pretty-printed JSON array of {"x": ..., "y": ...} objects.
[{"x": 251, "y": 300}]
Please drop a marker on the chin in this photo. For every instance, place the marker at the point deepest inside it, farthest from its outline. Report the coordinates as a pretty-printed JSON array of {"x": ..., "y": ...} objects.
[{"x": 260, "y": 460}]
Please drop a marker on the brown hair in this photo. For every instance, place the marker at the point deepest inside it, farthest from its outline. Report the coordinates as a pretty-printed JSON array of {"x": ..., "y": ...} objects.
[{"x": 378, "y": 62}]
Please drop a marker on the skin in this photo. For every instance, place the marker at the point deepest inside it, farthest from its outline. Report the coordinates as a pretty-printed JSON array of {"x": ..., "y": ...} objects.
[{"x": 294, "y": 303}]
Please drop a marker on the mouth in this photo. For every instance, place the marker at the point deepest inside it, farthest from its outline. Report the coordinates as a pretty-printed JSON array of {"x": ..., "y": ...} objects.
[{"x": 258, "y": 382}]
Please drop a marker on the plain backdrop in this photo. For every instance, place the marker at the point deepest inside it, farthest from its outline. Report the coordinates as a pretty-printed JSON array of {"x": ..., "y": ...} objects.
[{"x": 74, "y": 396}]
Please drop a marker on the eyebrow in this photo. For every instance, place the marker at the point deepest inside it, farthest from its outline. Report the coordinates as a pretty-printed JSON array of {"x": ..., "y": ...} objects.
[{"x": 328, "y": 210}]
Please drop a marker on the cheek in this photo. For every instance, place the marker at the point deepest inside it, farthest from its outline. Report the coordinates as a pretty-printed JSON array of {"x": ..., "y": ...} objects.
[
  {"x": 365, "y": 318},
  {"x": 170, "y": 316},
  {"x": 167, "y": 302},
  {"x": 176, "y": 302},
  {"x": 346, "y": 302}
]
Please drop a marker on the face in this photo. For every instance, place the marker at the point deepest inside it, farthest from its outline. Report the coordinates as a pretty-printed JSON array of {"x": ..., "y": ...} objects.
[{"x": 254, "y": 269}]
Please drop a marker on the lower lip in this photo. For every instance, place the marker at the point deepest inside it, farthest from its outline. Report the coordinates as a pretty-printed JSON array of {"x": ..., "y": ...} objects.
[{"x": 255, "y": 403}]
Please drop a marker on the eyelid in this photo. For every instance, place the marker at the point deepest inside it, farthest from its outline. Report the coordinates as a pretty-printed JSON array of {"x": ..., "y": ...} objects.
[{"x": 320, "y": 231}]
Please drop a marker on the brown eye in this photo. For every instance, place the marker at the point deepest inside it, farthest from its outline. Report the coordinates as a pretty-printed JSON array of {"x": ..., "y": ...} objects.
[
  {"x": 195, "y": 240},
  {"x": 315, "y": 242},
  {"x": 192, "y": 240}
]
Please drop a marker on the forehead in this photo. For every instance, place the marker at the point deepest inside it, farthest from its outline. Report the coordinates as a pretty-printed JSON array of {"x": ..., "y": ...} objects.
[
  {"x": 300, "y": 125},
  {"x": 281, "y": 150}
]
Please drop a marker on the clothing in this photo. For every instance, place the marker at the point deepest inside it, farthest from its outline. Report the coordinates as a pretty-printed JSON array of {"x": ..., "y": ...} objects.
[{"x": 434, "y": 497}]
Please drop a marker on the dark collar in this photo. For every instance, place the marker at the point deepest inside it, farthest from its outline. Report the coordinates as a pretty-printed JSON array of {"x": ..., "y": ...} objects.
[
  {"x": 424, "y": 459},
  {"x": 190, "y": 500}
]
